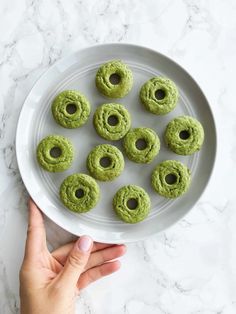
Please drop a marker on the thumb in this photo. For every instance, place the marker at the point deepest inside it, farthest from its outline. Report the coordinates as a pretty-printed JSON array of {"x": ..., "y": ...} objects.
[{"x": 76, "y": 262}]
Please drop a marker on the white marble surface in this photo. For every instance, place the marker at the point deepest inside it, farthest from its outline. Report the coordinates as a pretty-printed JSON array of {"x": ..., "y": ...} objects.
[{"x": 191, "y": 268}]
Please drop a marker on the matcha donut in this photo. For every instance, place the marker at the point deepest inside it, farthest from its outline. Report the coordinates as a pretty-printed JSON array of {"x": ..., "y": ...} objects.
[
  {"x": 131, "y": 203},
  {"x": 141, "y": 145},
  {"x": 70, "y": 109},
  {"x": 114, "y": 79},
  {"x": 111, "y": 121},
  {"x": 79, "y": 192},
  {"x": 184, "y": 135},
  {"x": 55, "y": 153},
  {"x": 105, "y": 162},
  {"x": 159, "y": 95},
  {"x": 171, "y": 178}
]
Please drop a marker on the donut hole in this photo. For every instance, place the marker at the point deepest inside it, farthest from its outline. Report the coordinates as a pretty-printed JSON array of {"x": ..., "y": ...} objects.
[
  {"x": 171, "y": 179},
  {"x": 160, "y": 94},
  {"x": 184, "y": 135},
  {"x": 71, "y": 108},
  {"x": 79, "y": 193},
  {"x": 141, "y": 144},
  {"x": 112, "y": 120},
  {"x": 105, "y": 162},
  {"x": 132, "y": 203},
  {"x": 55, "y": 152},
  {"x": 115, "y": 79}
]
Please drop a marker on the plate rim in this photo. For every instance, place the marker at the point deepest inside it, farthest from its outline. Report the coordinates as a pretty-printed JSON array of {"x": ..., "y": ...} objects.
[{"x": 131, "y": 45}]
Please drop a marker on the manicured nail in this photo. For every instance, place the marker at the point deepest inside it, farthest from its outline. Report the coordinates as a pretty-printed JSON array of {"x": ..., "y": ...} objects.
[{"x": 84, "y": 243}]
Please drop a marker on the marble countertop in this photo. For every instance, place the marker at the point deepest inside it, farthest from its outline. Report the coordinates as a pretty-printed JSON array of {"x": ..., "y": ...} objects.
[{"x": 190, "y": 268}]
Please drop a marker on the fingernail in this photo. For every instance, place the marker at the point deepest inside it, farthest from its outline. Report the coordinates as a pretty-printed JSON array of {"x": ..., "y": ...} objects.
[{"x": 84, "y": 243}]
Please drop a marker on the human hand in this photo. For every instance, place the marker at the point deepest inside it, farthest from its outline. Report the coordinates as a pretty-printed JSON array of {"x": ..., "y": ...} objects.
[{"x": 50, "y": 282}]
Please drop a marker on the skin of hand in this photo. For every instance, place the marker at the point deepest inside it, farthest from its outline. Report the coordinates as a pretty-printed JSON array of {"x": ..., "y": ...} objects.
[{"x": 50, "y": 282}]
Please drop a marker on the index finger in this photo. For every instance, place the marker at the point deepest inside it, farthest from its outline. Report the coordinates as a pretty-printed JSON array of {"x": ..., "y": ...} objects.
[{"x": 36, "y": 236}]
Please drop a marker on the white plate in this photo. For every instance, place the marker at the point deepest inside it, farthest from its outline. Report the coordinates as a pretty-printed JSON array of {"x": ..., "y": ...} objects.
[{"x": 78, "y": 72}]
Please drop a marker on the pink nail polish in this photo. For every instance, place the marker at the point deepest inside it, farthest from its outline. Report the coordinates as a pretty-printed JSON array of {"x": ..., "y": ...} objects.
[{"x": 84, "y": 243}]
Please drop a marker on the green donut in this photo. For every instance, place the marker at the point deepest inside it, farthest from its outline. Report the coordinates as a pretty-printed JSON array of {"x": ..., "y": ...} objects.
[
  {"x": 123, "y": 79},
  {"x": 55, "y": 153},
  {"x": 111, "y": 121},
  {"x": 171, "y": 178},
  {"x": 105, "y": 162},
  {"x": 141, "y": 145},
  {"x": 184, "y": 135},
  {"x": 131, "y": 203},
  {"x": 159, "y": 95},
  {"x": 79, "y": 192},
  {"x": 70, "y": 109}
]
